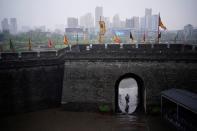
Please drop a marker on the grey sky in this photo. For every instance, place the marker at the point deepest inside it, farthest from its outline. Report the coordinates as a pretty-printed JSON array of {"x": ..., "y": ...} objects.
[{"x": 174, "y": 13}]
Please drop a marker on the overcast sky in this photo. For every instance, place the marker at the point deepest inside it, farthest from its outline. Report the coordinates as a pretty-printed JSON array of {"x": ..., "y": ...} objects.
[{"x": 174, "y": 13}]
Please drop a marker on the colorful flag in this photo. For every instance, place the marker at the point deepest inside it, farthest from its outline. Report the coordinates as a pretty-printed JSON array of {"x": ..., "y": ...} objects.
[
  {"x": 65, "y": 40},
  {"x": 131, "y": 36},
  {"x": 29, "y": 45},
  {"x": 161, "y": 23},
  {"x": 102, "y": 27},
  {"x": 50, "y": 43},
  {"x": 11, "y": 46},
  {"x": 117, "y": 39}
]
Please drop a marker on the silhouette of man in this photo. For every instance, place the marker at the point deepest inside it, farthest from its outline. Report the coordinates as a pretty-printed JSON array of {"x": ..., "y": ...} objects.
[{"x": 127, "y": 103}]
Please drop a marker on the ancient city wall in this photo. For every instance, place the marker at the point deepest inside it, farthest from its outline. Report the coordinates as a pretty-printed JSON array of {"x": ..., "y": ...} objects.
[{"x": 88, "y": 74}]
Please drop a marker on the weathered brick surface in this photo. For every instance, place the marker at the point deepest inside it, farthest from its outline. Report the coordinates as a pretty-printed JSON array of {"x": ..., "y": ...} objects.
[
  {"x": 94, "y": 82},
  {"x": 30, "y": 88}
]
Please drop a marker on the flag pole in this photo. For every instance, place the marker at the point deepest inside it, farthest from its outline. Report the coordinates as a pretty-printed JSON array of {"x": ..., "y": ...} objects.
[
  {"x": 158, "y": 28},
  {"x": 77, "y": 38},
  {"x": 100, "y": 32}
]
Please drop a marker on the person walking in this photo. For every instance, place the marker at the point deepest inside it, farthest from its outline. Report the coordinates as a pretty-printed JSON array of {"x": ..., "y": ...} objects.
[{"x": 127, "y": 103}]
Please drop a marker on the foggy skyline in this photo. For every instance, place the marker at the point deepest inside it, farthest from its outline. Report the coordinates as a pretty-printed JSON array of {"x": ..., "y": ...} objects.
[{"x": 174, "y": 13}]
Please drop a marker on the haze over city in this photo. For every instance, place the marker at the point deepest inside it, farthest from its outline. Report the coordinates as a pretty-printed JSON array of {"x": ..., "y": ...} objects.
[{"x": 51, "y": 13}]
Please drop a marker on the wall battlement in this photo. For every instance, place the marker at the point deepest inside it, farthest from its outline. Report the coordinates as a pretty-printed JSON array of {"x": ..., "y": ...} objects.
[
  {"x": 134, "y": 47},
  {"x": 104, "y": 50}
]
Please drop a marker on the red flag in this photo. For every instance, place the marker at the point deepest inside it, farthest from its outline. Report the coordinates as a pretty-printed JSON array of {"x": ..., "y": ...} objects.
[
  {"x": 117, "y": 39},
  {"x": 50, "y": 44}
]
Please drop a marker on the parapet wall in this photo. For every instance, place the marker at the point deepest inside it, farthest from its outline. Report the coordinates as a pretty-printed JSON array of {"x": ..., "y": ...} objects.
[
  {"x": 133, "y": 52},
  {"x": 103, "y": 50},
  {"x": 134, "y": 47}
]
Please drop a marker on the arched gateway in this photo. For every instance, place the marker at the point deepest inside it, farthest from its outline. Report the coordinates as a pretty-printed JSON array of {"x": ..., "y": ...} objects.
[{"x": 129, "y": 94}]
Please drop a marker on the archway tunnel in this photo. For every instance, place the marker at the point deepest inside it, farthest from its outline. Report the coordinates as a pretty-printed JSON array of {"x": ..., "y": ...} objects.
[{"x": 129, "y": 94}]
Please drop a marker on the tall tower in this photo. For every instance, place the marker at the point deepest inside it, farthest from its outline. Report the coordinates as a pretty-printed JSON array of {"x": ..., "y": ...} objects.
[
  {"x": 116, "y": 21},
  {"x": 155, "y": 22},
  {"x": 136, "y": 22},
  {"x": 13, "y": 26},
  {"x": 5, "y": 25},
  {"x": 87, "y": 21},
  {"x": 148, "y": 18},
  {"x": 98, "y": 14}
]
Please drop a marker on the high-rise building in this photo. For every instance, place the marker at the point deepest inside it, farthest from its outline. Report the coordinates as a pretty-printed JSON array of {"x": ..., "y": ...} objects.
[
  {"x": 133, "y": 23},
  {"x": 128, "y": 23},
  {"x": 72, "y": 22},
  {"x": 98, "y": 14},
  {"x": 155, "y": 20},
  {"x": 116, "y": 21},
  {"x": 142, "y": 23},
  {"x": 13, "y": 26},
  {"x": 148, "y": 12},
  {"x": 107, "y": 22},
  {"x": 122, "y": 24},
  {"x": 87, "y": 21},
  {"x": 148, "y": 18},
  {"x": 5, "y": 25},
  {"x": 136, "y": 22}
]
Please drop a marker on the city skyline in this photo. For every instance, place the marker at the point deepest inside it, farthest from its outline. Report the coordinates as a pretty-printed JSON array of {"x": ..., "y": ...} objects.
[{"x": 54, "y": 13}]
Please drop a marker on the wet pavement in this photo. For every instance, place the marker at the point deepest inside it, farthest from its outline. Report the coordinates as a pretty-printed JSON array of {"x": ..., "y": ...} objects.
[{"x": 60, "y": 120}]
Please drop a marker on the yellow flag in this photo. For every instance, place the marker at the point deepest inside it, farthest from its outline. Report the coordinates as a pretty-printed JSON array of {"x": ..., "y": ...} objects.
[
  {"x": 161, "y": 24},
  {"x": 65, "y": 40},
  {"x": 102, "y": 27}
]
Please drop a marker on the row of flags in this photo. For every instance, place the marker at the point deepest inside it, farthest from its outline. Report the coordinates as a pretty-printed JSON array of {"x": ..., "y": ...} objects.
[
  {"x": 50, "y": 44},
  {"x": 116, "y": 38}
]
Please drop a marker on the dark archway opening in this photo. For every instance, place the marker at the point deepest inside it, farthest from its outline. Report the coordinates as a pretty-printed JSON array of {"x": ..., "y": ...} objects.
[{"x": 140, "y": 93}]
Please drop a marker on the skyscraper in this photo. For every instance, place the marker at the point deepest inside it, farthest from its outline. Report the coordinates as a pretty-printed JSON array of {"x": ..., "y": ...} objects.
[
  {"x": 13, "y": 26},
  {"x": 142, "y": 23},
  {"x": 148, "y": 18},
  {"x": 155, "y": 20},
  {"x": 98, "y": 14},
  {"x": 87, "y": 21},
  {"x": 136, "y": 22},
  {"x": 5, "y": 25},
  {"x": 72, "y": 22},
  {"x": 107, "y": 22},
  {"x": 148, "y": 12},
  {"x": 128, "y": 23},
  {"x": 116, "y": 21}
]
